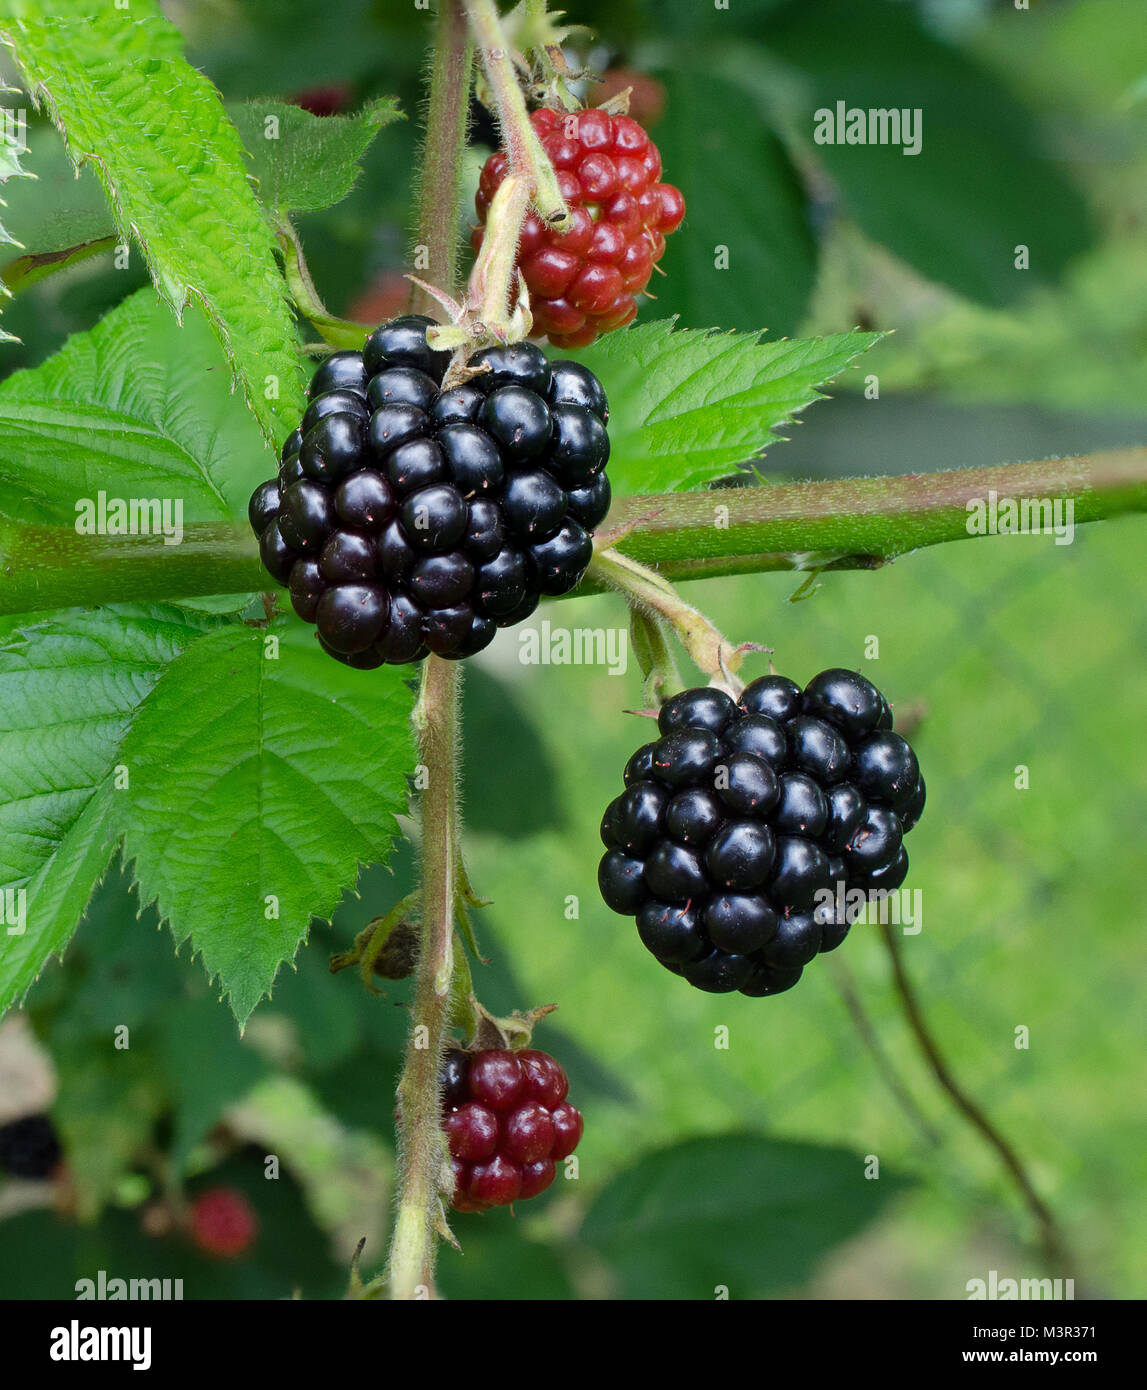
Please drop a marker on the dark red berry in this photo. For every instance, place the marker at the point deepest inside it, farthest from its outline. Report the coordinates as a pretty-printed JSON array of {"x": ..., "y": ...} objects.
[{"x": 507, "y": 1122}]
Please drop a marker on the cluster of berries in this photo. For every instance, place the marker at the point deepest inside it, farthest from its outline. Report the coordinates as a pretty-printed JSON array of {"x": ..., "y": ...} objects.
[
  {"x": 584, "y": 280},
  {"x": 745, "y": 828},
  {"x": 406, "y": 519},
  {"x": 508, "y": 1122}
]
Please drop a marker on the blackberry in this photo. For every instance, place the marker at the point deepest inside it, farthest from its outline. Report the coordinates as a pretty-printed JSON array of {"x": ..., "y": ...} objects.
[
  {"x": 743, "y": 827},
  {"x": 508, "y": 1124},
  {"x": 584, "y": 280},
  {"x": 29, "y": 1147},
  {"x": 406, "y": 519}
]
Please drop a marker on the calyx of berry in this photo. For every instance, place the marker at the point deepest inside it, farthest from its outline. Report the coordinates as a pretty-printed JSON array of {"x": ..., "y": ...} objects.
[{"x": 484, "y": 1031}]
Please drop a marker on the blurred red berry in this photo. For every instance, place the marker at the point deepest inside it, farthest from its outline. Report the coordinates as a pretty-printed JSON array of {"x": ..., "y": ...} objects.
[
  {"x": 223, "y": 1223},
  {"x": 325, "y": 100}
]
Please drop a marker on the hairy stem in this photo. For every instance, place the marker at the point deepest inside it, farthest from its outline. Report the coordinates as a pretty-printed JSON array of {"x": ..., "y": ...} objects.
[
  {"x": 853, "y": 524},
  {"x": 423, "y": 1155},
  {"x": 650, "y": 593},
  {"x": 523, "y": 148},
  {"x": 440, "y": 185},
  {"x": 1051, "y": 1238}
]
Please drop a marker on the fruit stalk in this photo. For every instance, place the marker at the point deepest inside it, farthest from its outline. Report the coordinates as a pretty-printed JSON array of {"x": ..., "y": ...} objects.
[
  {"x": 440, "y": 185},
  {"x": 423, "y": 1155},
  {"x": 519, "y": 138},
  {"x": 651, "y": 593}
]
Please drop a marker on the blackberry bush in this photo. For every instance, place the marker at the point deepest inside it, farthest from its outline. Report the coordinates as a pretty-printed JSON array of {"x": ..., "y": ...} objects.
[
  {"x": 508, "y": 1122},
  {"x": 584, "y": 280},
  {"x": 743, "y": 829},
  {"x": 407, "y": 519}
]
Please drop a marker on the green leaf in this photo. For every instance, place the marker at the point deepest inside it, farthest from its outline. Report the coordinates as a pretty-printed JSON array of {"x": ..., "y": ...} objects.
[
  {"x": 747, "y": 222},
  {"x": 57, "y": 216},
  {"x": 263, "y": 776},
  {"x": 26, "y": 271},
  {"x": 500, "y": 739},
  {"x": 172, "y": 167},
  {"x": 305, "y": 163},
  {"x": 740, "y": 1211},
  {"x": 68, "y": 687},
  {"x": 137, "y": 407},
  {"x": 688, "y": 406},
  {"x": 981, "y": 184}
]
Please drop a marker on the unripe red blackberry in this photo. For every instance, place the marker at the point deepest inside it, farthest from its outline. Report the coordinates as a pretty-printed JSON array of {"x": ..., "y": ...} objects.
[
  {"x": 584, "y": 280},
  {"x": 508, "y": 1122}
]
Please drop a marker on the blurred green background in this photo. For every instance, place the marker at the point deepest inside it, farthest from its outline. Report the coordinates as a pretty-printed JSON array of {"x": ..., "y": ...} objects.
[{"x": 1014, "y": 652}]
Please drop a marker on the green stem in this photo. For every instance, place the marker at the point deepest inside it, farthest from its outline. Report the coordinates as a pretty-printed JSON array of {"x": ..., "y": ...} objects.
[
  {"x": 853, "y": 524},
  {"x": 440, "y": 184},
  {"x": 423, "y": 1153},
  {"x": 651, "y": 594},
  {"x": 1051, "y": 1238},
  {"x": 520, "y": 140},
  {"x": 423, "y": 1156}
]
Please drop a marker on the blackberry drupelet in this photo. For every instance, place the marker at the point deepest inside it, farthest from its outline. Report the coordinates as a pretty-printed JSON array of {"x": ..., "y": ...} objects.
[
  {"x": 406, "y": 519},
  {"x": 742, "y": 828}
]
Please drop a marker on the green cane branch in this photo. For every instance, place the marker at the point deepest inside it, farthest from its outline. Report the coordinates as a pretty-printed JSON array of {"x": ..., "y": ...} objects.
[
  {"x": 423, "y": 1155},
  {"x": 851, "y": 524},
  {"x": 424, "y": 1177}
]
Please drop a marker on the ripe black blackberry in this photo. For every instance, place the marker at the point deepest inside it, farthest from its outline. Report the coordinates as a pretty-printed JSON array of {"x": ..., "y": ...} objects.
[
  {"x": 744, "y": 827},
  {"x": 406, "y": 519},
  {"x": 29, "y": 1147}
]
